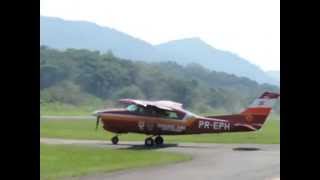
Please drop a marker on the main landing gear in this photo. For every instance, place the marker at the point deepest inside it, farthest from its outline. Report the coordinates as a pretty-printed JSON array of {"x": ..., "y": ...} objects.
[{"x": 150, "y": 142}]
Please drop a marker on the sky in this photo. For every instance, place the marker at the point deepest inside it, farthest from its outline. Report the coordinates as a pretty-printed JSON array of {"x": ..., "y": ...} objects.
[{"x": 248, "y": 28}]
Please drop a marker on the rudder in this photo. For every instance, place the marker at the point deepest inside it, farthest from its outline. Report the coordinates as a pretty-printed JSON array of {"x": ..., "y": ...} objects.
[{"x": 257, "y": 113}]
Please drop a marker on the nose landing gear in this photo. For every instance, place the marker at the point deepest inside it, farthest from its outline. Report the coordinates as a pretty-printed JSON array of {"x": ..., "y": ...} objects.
[{"x": 115, "y": 140}]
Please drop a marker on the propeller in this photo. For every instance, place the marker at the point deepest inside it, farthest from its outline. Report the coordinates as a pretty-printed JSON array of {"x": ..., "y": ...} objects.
[{"x": 97, "y": 122}]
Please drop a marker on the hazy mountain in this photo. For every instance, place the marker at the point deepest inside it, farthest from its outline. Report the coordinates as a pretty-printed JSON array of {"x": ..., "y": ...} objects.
[
  {"x": 62, "y": 34},
  {"x": 195, "y": 50},
  {"x": 274, "y": 74}
]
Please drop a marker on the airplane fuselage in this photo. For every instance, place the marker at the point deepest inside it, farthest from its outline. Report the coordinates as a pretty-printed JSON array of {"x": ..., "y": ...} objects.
[{"x": 123, "y": 121}]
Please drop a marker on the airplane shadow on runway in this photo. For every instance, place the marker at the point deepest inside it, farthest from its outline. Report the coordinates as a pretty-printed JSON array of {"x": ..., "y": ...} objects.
[
  {"x": 175, "y": 145},
  {"x": 143, "y": 147},
  {"x": 246, "y": 149}
]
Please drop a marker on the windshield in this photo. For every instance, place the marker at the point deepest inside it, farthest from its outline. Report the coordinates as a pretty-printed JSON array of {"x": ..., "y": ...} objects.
[{"x": 132, "y": 107}]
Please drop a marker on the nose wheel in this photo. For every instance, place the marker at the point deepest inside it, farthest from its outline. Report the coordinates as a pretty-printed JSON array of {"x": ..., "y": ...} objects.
[{"x": 115, "y": 140}]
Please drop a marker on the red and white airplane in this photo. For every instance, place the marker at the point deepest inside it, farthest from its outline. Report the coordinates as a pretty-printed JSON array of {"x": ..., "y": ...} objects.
[{"x": 156, "y": 118}]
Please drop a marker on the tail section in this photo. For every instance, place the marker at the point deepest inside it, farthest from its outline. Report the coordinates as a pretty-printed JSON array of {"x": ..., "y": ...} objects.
[{"x": 257, "y": 113}]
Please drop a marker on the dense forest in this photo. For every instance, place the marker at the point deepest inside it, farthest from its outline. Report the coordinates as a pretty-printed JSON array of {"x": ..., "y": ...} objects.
[{"x": 81, "y": 77}]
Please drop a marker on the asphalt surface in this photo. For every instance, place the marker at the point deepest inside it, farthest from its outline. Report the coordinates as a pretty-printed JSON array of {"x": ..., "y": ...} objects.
[{"x": 210, "y": 161}]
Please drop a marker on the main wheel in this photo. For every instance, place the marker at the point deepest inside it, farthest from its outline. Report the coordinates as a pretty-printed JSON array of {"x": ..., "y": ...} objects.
[
  {"x": 159, "y": 140},
  {"x": 149, "y": 142},
  {"x": 115, "y": 140}
]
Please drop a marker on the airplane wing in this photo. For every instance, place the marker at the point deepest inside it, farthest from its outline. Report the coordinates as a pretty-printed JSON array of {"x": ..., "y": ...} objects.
[
  {"x": 164, "y": 104},
  {"x": 171, "y": 104},
  {"x": 133, "y": 101}
]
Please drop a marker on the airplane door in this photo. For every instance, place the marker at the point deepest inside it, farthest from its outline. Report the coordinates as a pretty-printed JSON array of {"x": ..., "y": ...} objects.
[
  {"x": 149, "y": 126},
  {"x": 149, "y": 123},
  {"x": 146, "y": 126}
]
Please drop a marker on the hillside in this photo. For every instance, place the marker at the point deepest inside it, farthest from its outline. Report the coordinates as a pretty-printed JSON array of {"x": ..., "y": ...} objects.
[
  {"x": 274, "y": 74},
  {"x": 61, "y": 34},
  {"x": 83, "y": 77}
]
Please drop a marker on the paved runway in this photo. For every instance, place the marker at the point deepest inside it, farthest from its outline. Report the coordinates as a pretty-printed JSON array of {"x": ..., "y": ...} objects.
[{"x": 210, "y": 161}]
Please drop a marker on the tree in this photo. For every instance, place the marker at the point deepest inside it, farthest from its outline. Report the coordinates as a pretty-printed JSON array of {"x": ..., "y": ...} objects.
[
  {"x": 50, "y": 75},
  {"x": 76, "y": 75},
  {"x": 131, "y": 91}
]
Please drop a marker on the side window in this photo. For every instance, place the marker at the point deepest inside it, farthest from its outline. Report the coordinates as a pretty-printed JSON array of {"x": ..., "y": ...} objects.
[
  {"x": 160, "y": 113},
  {"x": 150, "y": 111},
  {"x": 141, "y": 110},
  {"x": 172, "y": 115}
]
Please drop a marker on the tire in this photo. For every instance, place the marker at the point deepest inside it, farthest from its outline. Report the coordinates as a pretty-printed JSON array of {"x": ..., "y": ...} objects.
[
  {"x": 115, "y": 140},
  {"x": 159, "y": 140},
  {"x": 149, "y": 142}
]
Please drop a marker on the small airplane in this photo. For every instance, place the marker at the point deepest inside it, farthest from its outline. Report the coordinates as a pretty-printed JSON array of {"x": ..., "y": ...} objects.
[{"x": 157, "y": 118}]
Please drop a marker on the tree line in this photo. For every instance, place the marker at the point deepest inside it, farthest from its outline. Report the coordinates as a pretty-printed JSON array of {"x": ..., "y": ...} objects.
[{"x": 80, "y": 76}]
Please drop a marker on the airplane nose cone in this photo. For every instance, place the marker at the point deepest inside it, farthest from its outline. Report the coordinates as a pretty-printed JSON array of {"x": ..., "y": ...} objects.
[{"x": 96, "y": 113}]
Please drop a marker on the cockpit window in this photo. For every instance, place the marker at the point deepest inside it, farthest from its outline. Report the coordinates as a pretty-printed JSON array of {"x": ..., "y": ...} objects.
[
  {"x": 136, "y": 108},
  {"x": 132, "y": 108},
  {"x": 155, "y": 112}
]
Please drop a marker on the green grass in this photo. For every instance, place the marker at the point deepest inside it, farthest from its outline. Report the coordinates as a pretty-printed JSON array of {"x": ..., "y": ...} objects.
[
  {"x": 60, "y": 161},
  {"x": 59, "y": 109},
  {"x": 85, "y": 129}
]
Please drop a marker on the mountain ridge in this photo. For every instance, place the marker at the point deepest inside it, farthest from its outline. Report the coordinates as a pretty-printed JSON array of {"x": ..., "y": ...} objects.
[
  {"x": 62, "y": 34},
  {"x": 188, "y": 51}
]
